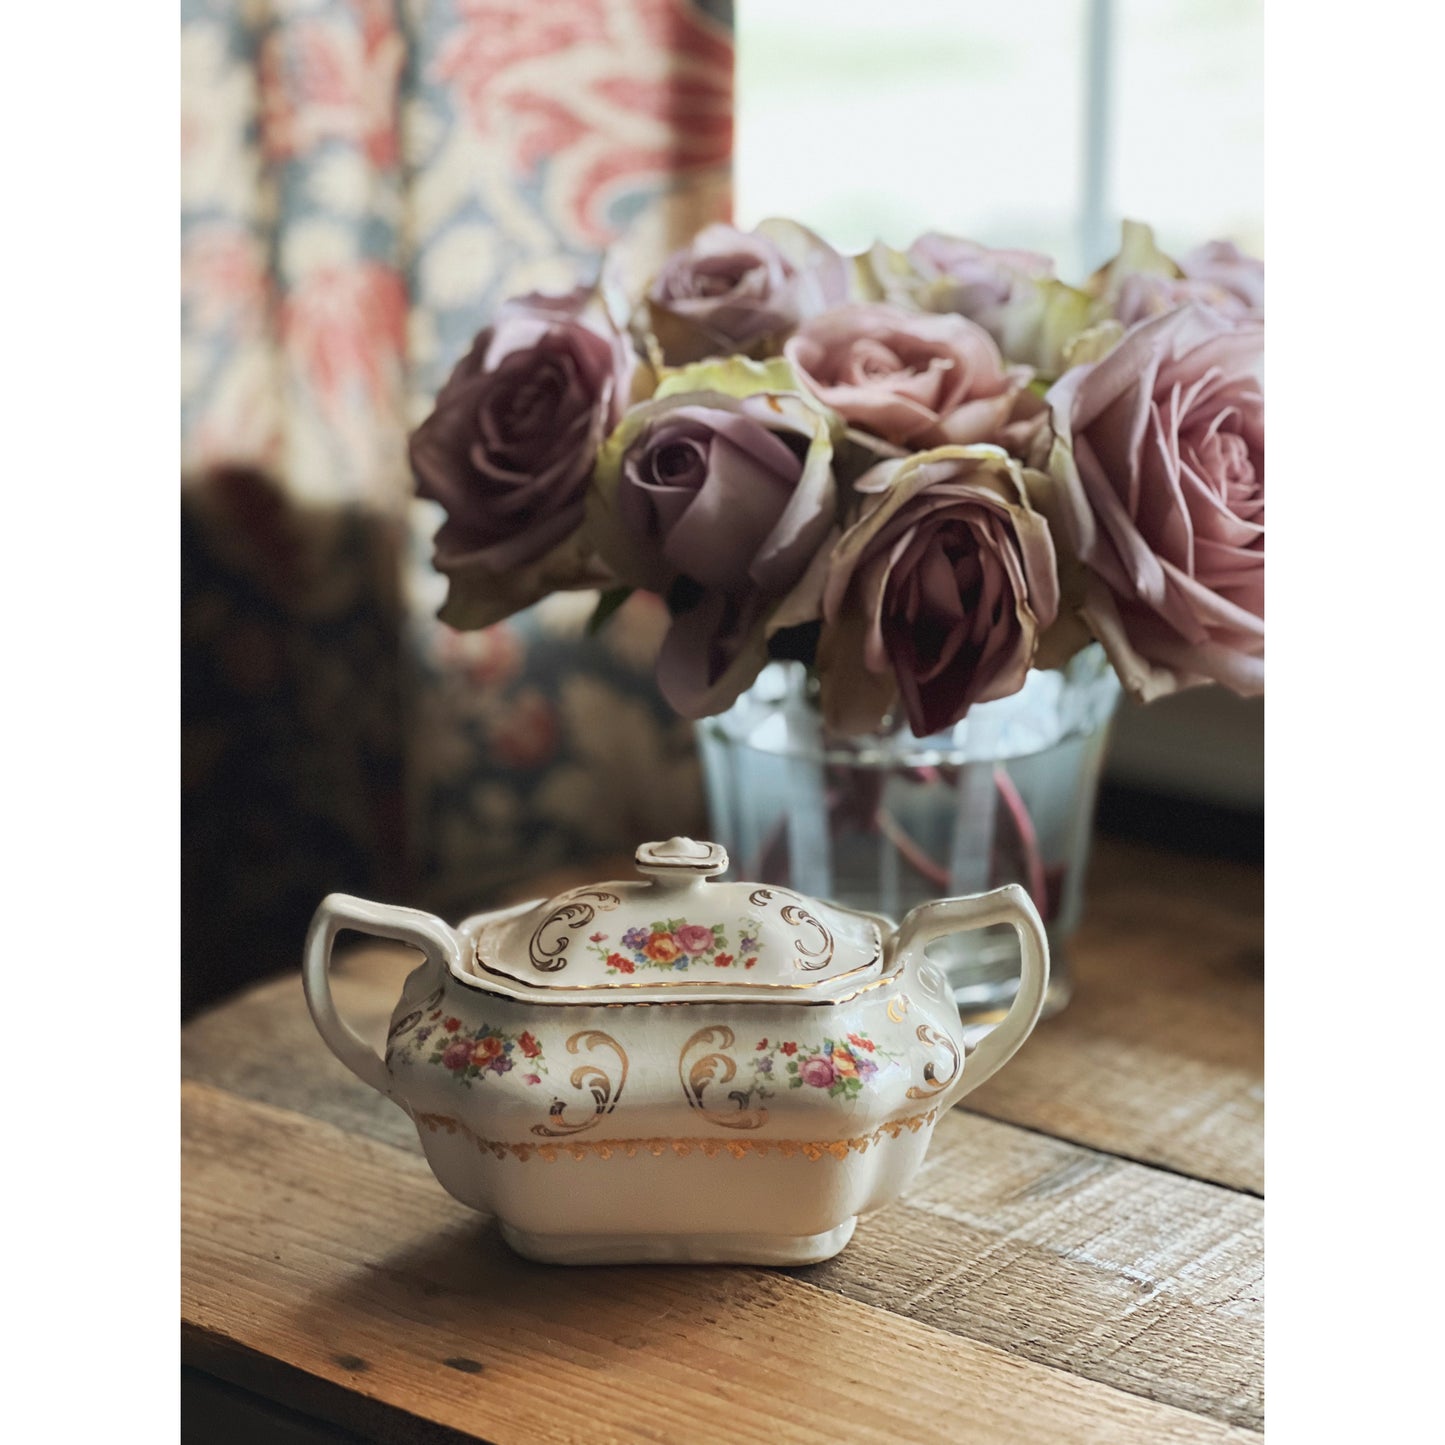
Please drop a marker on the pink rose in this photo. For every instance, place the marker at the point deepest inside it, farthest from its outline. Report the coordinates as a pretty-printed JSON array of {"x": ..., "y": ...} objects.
[
  {"x": 914, "y": 380},
  {"x": 979, "y": 282},
  {"x": 510, "y": 445},
  {"x": 817, "y": 1071},
  {"x": 734, "y": 292},
  {"x": 1141, "y": 281},
  {"x": 1158, "y": 471},
  {"x": 1143, "y": 296},
  {"x": 1223, "y": 265},
  {"x": 458, "y": 1055},
  {"x": 694, "y": 938},
  {"x": 1013, "y": 295},
  {"x": 938, "y": 593}
]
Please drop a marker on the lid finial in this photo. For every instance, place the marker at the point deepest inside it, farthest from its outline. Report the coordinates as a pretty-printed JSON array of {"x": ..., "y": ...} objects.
[{"x": 681, "y": 858}]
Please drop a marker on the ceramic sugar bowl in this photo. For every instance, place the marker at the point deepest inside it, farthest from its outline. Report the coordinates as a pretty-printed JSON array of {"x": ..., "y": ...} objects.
[{"x": 676, "y": 1068}]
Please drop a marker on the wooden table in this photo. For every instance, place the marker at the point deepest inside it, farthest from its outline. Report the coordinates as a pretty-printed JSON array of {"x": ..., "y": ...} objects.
[{"x": 1079, "y": 1260}]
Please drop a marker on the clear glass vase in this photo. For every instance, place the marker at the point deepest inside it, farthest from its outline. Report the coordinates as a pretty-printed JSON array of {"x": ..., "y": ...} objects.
[{"x": 887, "y": 821}]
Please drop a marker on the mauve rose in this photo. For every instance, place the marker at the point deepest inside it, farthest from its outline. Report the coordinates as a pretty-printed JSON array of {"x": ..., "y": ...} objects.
[
  {"x": 1141, "y": 297},
  {"x": 720, "y": 503},
  {"x": 1141, "y": 281},
  {"x": 915, "y": 380},
  {"x": 732, "y": 292},
  {"x": 1013, "y": 295},
  {"x": 817, "y": 1071},
  {"x": 510, "y": 445},
  {"x": 981, "y": 280},
  {"x": 938, "y": 594},
  {"x": 1158, "y": 489},
  {"x": 1224, "y": 265},
  {"x": 694, "y": 938}
]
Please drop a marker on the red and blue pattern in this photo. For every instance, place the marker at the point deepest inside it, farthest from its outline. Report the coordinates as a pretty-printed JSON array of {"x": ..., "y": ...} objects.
[{"x": 362, "y": 182}]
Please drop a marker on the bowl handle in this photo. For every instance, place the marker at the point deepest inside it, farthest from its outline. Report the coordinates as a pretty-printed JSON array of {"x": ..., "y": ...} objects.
[
  {"x": 405, "y": 925},
  {"x": 1012, "y": 905}
]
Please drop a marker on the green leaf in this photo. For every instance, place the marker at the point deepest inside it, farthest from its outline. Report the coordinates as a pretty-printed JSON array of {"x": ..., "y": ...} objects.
[
  {"x": 733, "y": 376},
  {"x": 607, "y": 603}
]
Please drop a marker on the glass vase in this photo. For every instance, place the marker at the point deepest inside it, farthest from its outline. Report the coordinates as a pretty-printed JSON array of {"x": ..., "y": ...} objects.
[{"x": 887, "y": 821}]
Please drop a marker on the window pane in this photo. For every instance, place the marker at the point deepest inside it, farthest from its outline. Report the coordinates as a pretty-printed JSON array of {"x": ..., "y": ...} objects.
[
  {"x": 1189, "y": 119},
  {"x": 869, "y": 118}
]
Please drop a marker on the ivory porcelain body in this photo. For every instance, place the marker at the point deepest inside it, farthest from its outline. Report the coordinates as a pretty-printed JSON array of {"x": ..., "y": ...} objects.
[{"x": 676, "y": 1069}]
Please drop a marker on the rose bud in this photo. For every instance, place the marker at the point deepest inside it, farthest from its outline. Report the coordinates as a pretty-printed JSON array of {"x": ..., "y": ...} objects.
[{"x": 938, "y": 594}]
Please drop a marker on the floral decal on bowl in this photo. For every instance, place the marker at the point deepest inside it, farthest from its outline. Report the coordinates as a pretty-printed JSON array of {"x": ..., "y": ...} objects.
[
  {"x": 469, "y": 1054},
  {"x": 676, "y": 945},
  {"x": 841, "y": 1067}
]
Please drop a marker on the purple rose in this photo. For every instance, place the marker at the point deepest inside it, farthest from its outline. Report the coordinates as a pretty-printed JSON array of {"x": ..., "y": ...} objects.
[
  {"x": 636, "y": 937},
  {"x": 765, "y": 1064},
  {"x": 500, "y": 1064},
  {"x": 913, "y": 379},
  {"x": 938, "y": 593},
  {"x": 721, "y": 504},
  {"x": 694, "y": 938},
  {"x": 1159, "y": 470},
  {"x": 817, "y": 1071},
  {"x": 509, "y": 448},
  {"x": 731, "y": 292},
  {"x": 866, "y": 1066},
  {"x": 457, "y": 1055}
]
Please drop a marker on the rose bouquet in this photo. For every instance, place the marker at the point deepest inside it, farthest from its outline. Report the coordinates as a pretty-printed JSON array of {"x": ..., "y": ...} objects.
[{"x": 921, "y": 473}]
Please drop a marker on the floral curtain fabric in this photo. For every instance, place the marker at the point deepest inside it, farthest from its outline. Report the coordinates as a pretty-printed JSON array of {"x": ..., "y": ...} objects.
[
  {"x": 362, "y": 178},
  {"x": 361, "y": 181}
]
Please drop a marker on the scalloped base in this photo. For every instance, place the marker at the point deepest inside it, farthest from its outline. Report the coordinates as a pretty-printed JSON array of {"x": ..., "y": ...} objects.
[{"x": 785, "y": 1249}]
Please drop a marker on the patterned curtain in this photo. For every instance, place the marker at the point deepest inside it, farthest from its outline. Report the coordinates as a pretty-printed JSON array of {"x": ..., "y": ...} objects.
[{"x": 361, "y": 181}]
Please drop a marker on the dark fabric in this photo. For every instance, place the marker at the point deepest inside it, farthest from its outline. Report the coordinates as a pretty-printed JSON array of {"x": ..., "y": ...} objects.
[{"x": 291, "y": 735}]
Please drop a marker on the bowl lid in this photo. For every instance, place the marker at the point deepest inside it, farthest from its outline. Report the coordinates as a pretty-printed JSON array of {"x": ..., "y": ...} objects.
[{"x": 676, "y": 929}]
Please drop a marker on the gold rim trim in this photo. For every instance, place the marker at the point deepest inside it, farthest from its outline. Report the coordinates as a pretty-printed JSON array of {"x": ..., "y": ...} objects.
[
  {"x": 734, "y": 1148},
  {"x": 768, "y": 995},
  {"x": 620, "y": 987}
]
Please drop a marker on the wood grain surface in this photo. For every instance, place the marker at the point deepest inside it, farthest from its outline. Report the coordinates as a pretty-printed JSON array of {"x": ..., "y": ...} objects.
[
  {"x": 1160, "y": 1056},
  {"x": 1079, "y": 1259},
  {"x": 341, "y": 1257}
]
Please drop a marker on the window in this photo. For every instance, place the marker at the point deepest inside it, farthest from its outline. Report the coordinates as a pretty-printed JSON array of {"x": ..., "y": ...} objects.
[{"x": 1039, "y": 124}]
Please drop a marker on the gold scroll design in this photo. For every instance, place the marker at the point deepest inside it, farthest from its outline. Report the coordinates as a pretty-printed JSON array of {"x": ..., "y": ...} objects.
[
  {"x": 932, "y": 1083},
  {"x": 897, "y": 1007},
  {"x": 809, "y": 958},
  {"x": 592, "y": 1077},
  {"x": 716, "y": 1067},
  {"x": 550, "y": 955},
  {"x": 814, "y": 1149}
]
